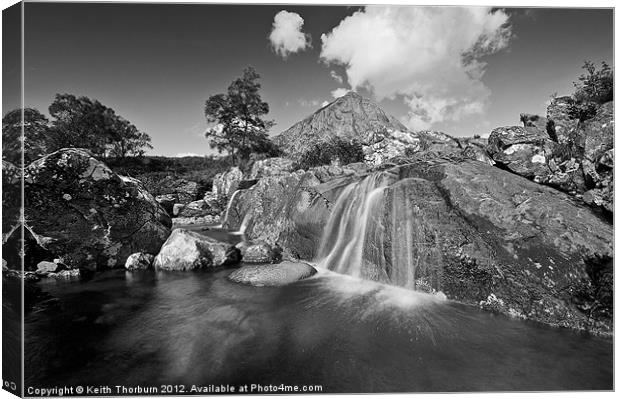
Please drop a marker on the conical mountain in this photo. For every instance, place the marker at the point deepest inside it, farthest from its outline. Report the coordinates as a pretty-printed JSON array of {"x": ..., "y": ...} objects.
[{"x": 350, "y": 117}]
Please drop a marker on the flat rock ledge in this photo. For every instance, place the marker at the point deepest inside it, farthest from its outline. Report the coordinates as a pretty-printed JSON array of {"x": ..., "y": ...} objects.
[{"x": 272, "y": 275}]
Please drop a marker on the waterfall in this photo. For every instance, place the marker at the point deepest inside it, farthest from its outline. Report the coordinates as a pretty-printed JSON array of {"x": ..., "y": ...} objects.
[
  {"x": 230, "y": 202},
  {"x": 378, "y": 230},
  {"x": 354, "y": 233}
]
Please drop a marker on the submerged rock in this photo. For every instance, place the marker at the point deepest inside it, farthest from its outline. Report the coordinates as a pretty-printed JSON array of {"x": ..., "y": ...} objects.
[
  {"x": 79, "y": 210},
  {"x": 272, "y": 275},
  {"x": 139, "y": 261},
  {"x": 187, "y": 250}
]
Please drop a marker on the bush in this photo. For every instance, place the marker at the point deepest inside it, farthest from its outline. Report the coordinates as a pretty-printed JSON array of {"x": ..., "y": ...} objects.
[
  {"x": 336, "y": 149},
  {"x": 595, "y": 87}
]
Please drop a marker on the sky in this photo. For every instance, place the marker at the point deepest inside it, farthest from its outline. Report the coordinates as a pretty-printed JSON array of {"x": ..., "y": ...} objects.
[{"x": 463, "y": 71}]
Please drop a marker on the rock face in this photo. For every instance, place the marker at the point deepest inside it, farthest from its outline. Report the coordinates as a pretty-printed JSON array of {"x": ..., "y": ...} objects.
[
  {"x": 272, "y": 275},
  {"x": 225, "y": 184},
  {"x": 523, "y": 150},
  {"x": 187, "y": 250},
  {"x": 139, "y": 261},
  {"x": 598, "y": 158},
  {"x": 467, "y": 229},
  {"x": 271, "y": 167},
  {"x": 570, "y": 155},
  {"x": 88, "y": 216},
  {"x": 561, "y": 123},
  {"x": 180, "y": 190}
]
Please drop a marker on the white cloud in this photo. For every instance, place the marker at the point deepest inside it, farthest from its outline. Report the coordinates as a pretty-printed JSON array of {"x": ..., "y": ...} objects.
[
  {"x": 339, "y": 92},
  {"x": 286, "y": 36},
  {"x": 428, "y": 55},
  {"x": 336, "y": 77}
]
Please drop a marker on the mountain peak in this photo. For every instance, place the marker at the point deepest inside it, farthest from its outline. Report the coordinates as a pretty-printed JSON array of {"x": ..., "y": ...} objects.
[{"x": 350, "y": 117}]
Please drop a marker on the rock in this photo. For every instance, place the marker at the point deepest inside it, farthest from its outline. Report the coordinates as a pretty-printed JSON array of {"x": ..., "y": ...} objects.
[
  {"x": 272, "y": 275},
  {"x": 453, "y": 225},
  {"x": 523, "y": 151},
  {"x": 271, "y": 167},
  {"x": 44, "y": 267},
  {"x": 177, "y": 208},
  {"x": 187, "y": 250},
  {"x": 534, "y": 121},
  {"x": 139, "y": 261},
  {"x": 225, "y": 184},
  {"x": 79, "y": 210},
  {"x": 601, "y": 197},
  {"x": 184, "y": 191},
  {"x": 259, "y": 252},
  {"x": 72, "y": 274},
  {"x": 560, "y": 123},
  {"x": 598, "y": 145},
  {"x": 196, "y": 220},
  {"x": 167, "y": 201},
  {"x": 198, "y": 208}
]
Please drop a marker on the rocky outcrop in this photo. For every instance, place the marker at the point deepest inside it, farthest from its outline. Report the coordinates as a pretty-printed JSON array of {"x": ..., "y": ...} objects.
[
  {"x": 181, "y": 190},
  {"x": 81, "y": 212},
  {"x": 271, "y": 167},
  {"x": 561, "y": 123},
  {"x": 522, "y": 150},
  {"x": 272, "y": 275},
  {"x": 139, "y": 261},
  {"x": 467, "y": 229},
  {"x": 225, "y": 184},
  {"x": 598, "y": 157},
  {"x": 188, "y": 250}
]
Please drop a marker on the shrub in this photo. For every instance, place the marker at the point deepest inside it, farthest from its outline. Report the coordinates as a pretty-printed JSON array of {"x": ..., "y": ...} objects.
[
  {"x": 336, "y": 149},
  {"x": 595, "y": 87}
]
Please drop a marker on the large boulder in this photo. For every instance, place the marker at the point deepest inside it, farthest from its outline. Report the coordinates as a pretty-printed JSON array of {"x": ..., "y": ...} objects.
[
  {"x": 475, "y": 232},
  {"x": 598, "y": 157},
  {"x": 272, "y": 275},
  {"x": 226, "y": 183},
  {"x": 167, "y": 201},
  {"x": 522, "y": 150},
  {"x": 139, "y": 261},
  {"x": 188, "y": 250},
  {"x": 271, "y": 167},
  {"x": 561, "y": 123},
  {"x": 82, "y": 212},
  {"x": 258, "y": 252},
  {"x": 183, "y": 191}
]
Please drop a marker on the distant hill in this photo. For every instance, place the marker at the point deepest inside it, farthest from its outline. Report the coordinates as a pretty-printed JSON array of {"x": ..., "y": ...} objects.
[{"x": 353, "y": 117}]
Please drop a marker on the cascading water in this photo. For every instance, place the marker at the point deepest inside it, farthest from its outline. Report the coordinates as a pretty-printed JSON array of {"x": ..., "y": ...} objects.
[
  {"x": 376, "y": 232},
  {"x": 230, "y": 202},
  {"x": 355, "y": 218}
]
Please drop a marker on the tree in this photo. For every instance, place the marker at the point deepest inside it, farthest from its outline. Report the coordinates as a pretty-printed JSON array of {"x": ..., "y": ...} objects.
[
  {"x": 239, "y": 127},
  {"x": 594, "y": 88},
  {"x": 35, "y": 138},
  {"x": 85, "y": 123},
  {"x": 595, "y": 85}
]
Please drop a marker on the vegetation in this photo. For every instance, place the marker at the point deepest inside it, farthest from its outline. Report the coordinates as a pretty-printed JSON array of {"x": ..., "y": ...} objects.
[
  {"x": 239, "y": 128},
  {"x": 85, "y": 123},
  {"x": 337, "y": 149},
  {"x": 594, "y": 87},
  {"x": 153, "y": 170},
  {"x": 77, "y": 122},
  {"x": 35, "y": 135}
]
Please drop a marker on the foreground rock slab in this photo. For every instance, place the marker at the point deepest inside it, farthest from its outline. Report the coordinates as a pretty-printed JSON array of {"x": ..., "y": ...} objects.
[
  {"x": 272, "y": 275},
  {"x": 188, "y": 250}
]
